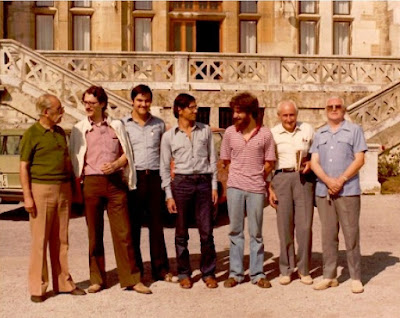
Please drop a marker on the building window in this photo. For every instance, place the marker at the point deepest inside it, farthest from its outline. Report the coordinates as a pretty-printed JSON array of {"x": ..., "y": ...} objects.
[
  {"x": 44, "y": 32},
  {"x": 82, "y": 4},
  {"x": 248, "y": 37},
  {"x": 143, "y": 34},
  {"x": 142, "y": 5},
  {"x": 341, "y": 38},
  {"x": 81, "y": 26},
  {"x": 193, "y": 6},
  {"x": 44, "y": 3},
  {"x": 183, "y": 36},
  {"x": 308, "y": 6},
  {"x": 341, "y": 7},
  {"x": 248, "y": 7},
  {"x": 225, "y": 117},
  {"x": 203, "y": 115},
  {"x": 308, "y": 37}
]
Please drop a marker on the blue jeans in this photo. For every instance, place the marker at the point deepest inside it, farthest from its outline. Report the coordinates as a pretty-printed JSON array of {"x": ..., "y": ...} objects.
[
  {"x": 194, "y": 192},
  {"x": 240, "y": 201}
]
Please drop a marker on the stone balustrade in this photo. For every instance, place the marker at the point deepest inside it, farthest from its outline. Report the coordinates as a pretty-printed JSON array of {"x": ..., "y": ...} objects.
[
  {"x": 34, "y": 74},
  {"x": 206, "y": 71}
]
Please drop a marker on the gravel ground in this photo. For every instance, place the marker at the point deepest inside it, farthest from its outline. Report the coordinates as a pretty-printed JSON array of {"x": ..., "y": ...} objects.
[{"x": 380, "y": 224}]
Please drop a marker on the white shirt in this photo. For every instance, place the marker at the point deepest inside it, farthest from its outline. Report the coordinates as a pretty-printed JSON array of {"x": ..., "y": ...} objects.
[{"x": 288, "y": 143}]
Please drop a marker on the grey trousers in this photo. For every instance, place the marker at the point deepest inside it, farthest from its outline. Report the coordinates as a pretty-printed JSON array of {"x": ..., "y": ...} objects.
[
  {"x": 343, "y": 211},
  {"x": 295, "y": 211}
]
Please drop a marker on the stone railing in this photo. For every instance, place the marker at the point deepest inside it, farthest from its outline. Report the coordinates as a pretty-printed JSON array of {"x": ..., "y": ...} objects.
[
  {"x": 20, "y": 66},
  {"x": 203, "y": 71},
  {"x": 378, "y": 112}
]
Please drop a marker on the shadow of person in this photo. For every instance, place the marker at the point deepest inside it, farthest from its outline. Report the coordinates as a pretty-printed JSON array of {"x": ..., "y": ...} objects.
[
  {"x": 17, "y": 214},
  {"x": 371, "y": 265}
]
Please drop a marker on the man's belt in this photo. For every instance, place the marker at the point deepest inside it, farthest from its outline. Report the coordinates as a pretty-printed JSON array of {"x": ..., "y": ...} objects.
[
  {"x": 285, "y": 170},
  {"x": 148, "y": 172}
]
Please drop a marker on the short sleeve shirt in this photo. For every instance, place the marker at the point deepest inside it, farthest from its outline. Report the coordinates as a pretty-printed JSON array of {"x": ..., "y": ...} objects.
[
  {"x": 336, "y": 152},
  {"x": 47, "y": 154},
  {"x": 246, "y": 170}
]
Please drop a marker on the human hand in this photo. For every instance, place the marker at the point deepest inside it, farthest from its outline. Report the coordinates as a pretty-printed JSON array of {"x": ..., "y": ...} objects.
[{"x": 171, "y": 206}]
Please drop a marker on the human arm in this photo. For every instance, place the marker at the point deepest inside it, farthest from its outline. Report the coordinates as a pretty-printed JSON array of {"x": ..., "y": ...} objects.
[
  {"x": 165, "y": 171},
  {"x": 111, "y": 167},
  {"x": 24, "y": 176},
  {"x": 213, "y": 165}
]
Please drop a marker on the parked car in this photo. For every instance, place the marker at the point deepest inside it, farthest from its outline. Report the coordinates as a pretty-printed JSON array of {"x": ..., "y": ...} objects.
[{"x": 10, "y": 186}]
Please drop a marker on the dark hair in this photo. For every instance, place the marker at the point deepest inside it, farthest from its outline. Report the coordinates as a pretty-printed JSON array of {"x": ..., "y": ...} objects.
[
  {"x": 245, "y": 102},
  {"x": 141, "y": 89},
  {"x": 99, "y": 93},
  {"x": 182, "y": 101}
]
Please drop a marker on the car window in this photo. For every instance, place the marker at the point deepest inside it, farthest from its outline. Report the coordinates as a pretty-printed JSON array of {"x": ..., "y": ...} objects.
[{"x": 10, "y": 144}]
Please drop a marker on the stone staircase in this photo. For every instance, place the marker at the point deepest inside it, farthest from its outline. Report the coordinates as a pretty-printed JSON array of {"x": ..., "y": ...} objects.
[{"x": 26, "y": 74}]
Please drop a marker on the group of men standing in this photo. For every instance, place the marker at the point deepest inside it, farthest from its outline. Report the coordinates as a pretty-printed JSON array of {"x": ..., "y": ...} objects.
[{"x": 123, "y": 166}]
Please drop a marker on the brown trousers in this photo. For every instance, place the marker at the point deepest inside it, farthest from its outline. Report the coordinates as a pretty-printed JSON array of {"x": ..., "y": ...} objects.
[
  {"x": 50, "y": 226},
  {"x": 109, "y": 192}
]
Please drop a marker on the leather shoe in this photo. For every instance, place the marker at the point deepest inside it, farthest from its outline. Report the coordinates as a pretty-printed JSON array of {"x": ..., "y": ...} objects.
[
  {"x": 38, "y": 299},
  {"x": 306, "y": 279},
  {"x": 169, "y": 278},
  {"x": 77, "y": 292},
  {"x": 356, "y": 287},
  {"x": 326, "y": 283},
  {"x": 211, "y": 282},
  {"x": 94, "y": 288},
  {"x": 230, "y": 282},
  {"x": 264, "y": 283},
  {"x": 142, "y": 289},
  {"x": 285, "y": 280},
  {"x": 186, "y": 283}
]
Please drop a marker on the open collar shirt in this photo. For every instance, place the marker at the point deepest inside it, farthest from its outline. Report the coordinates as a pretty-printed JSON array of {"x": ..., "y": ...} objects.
[
  {"x": 195, "y": 155},
  {"x": 288, "y": 143},
  {"x": 145, "y": 141},
  {"x": 247, "y": 158},
  {"x": 336, "y": 152}
]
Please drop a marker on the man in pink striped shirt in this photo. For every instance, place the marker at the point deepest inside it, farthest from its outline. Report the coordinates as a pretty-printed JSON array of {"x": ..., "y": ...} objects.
[{"x": 249, "y": 150}]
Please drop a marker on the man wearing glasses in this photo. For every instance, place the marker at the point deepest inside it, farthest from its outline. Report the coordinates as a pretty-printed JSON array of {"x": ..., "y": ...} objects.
[
  {"x": 190, "y": 145},
  {"x": 45, "y": 172},
  {"x": 337, "y": 156},
  {"x": 102, "y": 156}
]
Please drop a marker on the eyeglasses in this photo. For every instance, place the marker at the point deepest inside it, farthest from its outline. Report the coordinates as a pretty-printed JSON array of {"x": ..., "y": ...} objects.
[
  {"x": 334, "y": 107},
  {"x": 192, "y": 108},
  {"x": 91, "y": 104}
]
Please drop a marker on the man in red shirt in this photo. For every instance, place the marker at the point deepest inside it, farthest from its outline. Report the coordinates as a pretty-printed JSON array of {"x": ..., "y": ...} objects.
[{"x": 249, "y": 150}]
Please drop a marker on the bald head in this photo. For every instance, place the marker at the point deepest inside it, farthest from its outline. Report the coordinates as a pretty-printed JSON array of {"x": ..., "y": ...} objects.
[
  {"x": 46, "y": 101},
  {"x": 286, "y": 103}
]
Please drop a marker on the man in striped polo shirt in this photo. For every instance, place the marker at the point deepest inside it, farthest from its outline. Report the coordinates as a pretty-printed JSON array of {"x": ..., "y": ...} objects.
[{"x": 249, "y": 150}]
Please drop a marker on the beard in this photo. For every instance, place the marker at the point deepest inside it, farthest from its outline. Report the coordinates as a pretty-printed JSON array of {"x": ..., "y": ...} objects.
[{"x": 241, "y": 123}]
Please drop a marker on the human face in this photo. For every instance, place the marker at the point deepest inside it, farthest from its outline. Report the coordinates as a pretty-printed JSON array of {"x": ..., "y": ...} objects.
[
  {"x": 288, "y": 115},
  {"x": 335, "y": 110},
  {"x": 189, "y": 113},
  {"x": 240, "y": 119},
  {"x": 93, "y": 108},
  {"x": 141, "y": 104},
  {"x": 55, "y": 112}
]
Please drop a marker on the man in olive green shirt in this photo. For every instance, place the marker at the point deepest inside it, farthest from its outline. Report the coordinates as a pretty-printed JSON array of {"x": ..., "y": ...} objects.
[{"x": 45, "y": 172}]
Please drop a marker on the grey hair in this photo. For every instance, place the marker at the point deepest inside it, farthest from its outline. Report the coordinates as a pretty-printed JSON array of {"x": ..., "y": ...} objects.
[
  {"x": 44, "y": 102},
  {"x": 336, "y": 97},
  {"x": 286, "y": 101}
]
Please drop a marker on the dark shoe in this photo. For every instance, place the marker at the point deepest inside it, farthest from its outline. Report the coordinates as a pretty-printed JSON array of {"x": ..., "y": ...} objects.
[
  {"x": 211, "y": 282},
  {"x": 38, "y": 299},
  {"x": 77, "y": 292},
  {"x": 264, "y": 283},
  {"x": 94, "y": 288},
  {"x": 230, "y": 282},
  {"x": 186, "y": 283},
  {"x": 142, "y": 289}
]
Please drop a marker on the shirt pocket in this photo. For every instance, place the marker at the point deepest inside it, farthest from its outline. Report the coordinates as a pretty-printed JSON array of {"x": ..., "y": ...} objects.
[
  {"x": 201, "y": 147},
  {"x": 322, "y": 142},
  {"x": 345, "y": 143},
  {"x": 113, "y": 142},
  {"x": 154, "y": 136}
]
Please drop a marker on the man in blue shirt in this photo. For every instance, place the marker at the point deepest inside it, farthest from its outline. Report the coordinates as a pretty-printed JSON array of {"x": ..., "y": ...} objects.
[
  {"x": 337, "y": 156},
  {"x": 144, "y": 132}
]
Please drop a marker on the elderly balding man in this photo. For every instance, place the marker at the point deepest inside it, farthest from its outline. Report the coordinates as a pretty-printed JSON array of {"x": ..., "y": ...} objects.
[
  {"x": 292, "y": 192},
  {"x": 337, "y": 156},
  {"x": 45, "y": 173}
]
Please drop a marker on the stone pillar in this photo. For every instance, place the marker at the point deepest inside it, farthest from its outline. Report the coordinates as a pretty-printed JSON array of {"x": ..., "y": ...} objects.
[
  {"x": 160, "y": 27},
  {"x": 369, "y": 172},
  {"x": 1, "y": 20},
  {"x": 230, "y": 27}
]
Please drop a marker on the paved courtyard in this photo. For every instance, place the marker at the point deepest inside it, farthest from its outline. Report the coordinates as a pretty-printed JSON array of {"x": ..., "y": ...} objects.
[{"x": 380, "y": 230}]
